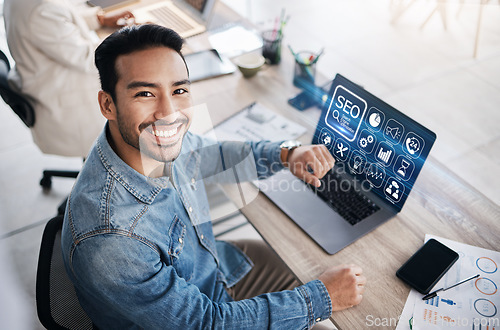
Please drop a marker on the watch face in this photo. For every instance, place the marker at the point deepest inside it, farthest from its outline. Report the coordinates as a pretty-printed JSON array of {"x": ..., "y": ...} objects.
[{"x": 290, "y": 144}]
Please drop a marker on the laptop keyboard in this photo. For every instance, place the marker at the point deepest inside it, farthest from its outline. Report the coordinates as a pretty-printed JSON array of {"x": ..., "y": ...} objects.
[
  {"x": 341, "y": 196},
  {"x": 166, "y": 15}
]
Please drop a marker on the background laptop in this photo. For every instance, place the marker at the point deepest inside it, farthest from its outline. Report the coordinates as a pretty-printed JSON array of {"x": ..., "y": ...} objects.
[
  {"x": 186, "y": 17},
  {"x": 379, "y": 153}
]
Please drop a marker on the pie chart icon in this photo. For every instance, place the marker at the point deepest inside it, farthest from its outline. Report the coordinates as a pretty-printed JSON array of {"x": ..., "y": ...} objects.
[{"x": 374, "y": 120}]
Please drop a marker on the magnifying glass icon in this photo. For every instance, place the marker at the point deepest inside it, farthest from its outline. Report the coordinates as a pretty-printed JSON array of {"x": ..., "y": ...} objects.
[{"x": 336, "y": 115}]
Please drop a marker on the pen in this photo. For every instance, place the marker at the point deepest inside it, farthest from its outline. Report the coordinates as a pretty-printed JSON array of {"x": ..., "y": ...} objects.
[
  {"x": 318, "y": 55},
  {"x": 294, "y": 54},
  {"x": 434, "y": 293}
]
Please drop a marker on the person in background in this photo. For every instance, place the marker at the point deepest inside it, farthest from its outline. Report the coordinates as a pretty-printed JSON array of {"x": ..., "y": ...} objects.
[{"x": 52, "y": 43}]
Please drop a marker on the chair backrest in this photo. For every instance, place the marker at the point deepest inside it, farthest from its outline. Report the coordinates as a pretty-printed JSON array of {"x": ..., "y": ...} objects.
[
  {"x": 16, "y": 101},
  {"x": 56, "y": 300}
]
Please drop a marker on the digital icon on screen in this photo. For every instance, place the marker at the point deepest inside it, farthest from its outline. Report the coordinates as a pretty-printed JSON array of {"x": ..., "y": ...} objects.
[
  {"x": 366, "y": 141},
  {"x": 375, "y": 175},
  {"x": 327, "y": 138},
  {"x": 345, "y": 113},
  {"x": 394, "y": 190},
  {"x": 336, "y": 115},
  {"x": 357, "y": 162},
  {"x": 403, "y": 167},
  {"x": 341, "y": 149},
  {"x": 385, "y": 153},
  {"x": 413, "y": 144},
  {"x": 375, "y": 119},
  {"x": 394, "y": 130}
]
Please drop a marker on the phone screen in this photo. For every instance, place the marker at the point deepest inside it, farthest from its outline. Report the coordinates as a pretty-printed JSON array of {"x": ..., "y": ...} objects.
[{"x": 424, "y": 269}]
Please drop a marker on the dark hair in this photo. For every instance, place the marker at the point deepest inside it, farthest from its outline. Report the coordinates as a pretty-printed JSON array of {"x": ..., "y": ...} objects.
[{"x": 127, "y": 40}]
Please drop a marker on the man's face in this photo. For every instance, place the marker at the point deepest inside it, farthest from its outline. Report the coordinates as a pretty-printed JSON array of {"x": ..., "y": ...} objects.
[{"x": 153, "y": 104}]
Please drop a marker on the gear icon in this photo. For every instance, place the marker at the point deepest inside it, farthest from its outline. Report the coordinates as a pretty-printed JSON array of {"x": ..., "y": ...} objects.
[{"x": 363, "y": 142}]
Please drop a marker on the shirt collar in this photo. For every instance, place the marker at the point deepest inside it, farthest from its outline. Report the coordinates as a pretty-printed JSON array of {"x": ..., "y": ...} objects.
[{"x": 142, "y": 187}]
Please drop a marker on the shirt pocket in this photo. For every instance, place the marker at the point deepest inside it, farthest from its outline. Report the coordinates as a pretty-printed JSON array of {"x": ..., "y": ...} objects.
[{"x": 180, "y": 258}]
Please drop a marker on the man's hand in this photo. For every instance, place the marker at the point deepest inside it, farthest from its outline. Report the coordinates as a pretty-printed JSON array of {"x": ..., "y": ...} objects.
[
  {"x": 310, "y": 163},
  {"x": 116, "y": 20},
  {"x": 345, "y": 284}
]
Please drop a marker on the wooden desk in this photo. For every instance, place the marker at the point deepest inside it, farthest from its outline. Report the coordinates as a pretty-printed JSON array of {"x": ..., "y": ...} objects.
[{"x": 440, "y": 203}]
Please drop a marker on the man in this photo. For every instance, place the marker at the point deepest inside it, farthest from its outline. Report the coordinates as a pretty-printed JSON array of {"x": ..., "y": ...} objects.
[
  {"x": 52, "y": 43},
  {"x": 137, "y": 241}
]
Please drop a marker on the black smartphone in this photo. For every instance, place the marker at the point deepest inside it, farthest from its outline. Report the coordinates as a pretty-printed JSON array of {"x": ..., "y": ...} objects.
[{"x": 426, "y": 267}]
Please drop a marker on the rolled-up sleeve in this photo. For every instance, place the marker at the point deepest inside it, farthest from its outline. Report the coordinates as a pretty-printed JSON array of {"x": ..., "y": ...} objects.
[
  {"x": 248, "y": 160},
  {"x": 138, "y": 285}
]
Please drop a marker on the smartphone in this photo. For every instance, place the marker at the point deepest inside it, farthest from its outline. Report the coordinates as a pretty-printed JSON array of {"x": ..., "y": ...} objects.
[{"x": 426, "y": 267}]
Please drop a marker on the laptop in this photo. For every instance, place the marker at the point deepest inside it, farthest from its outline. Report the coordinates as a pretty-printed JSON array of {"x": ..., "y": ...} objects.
[
  {"x": 186, "y": 17},
  {"x": 379, "y": 153}
]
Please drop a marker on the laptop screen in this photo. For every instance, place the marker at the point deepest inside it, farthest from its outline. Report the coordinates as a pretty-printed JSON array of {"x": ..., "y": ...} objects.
[
  {"x": 373, "y": 141},
  {"x": 198, "y": 8},
  {"x": 199, "y": 5}
]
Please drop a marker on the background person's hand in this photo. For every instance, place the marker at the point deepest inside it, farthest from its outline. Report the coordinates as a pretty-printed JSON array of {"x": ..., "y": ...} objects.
[
  {"x": 115, "y": 20},
  {"x": 345, "y": 284},
  {"x": 310, "y": 163}
]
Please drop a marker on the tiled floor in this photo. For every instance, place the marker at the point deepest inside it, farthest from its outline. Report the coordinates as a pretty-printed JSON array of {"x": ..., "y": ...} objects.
[{"x": 428, "y": 73}]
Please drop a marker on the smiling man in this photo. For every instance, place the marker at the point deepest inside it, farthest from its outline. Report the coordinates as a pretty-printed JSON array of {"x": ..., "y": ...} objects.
[
  {"x": 137, "y": 239},
  {"x": 154, "y": 107}
]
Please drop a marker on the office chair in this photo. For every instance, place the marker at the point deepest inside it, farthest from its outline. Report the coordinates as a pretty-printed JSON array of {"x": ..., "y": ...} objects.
[
  {"x": 23, "y": 109},
  {"x": 56, "y": 301}
]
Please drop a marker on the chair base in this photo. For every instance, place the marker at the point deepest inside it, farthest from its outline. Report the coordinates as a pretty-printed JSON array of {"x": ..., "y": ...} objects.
[{"x": 46, "y": 181}]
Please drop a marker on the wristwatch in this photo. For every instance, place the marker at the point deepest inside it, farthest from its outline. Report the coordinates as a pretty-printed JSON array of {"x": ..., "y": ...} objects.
[{"x": 286, "y": 147}]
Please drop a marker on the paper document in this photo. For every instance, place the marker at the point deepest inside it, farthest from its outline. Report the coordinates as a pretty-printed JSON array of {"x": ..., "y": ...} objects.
[
  {"x": 473, "y": 305},
  {"x": 235, "y": 40},
  {"x": 255, "y": 123}
]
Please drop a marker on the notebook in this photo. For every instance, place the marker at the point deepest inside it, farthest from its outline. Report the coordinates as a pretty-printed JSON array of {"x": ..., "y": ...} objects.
[
  {"x": 379, "y": 153},
  {"x": 186, "y": 17}
]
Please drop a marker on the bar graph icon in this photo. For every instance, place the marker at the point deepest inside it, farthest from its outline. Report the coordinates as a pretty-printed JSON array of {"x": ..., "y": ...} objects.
[
  {"x": 433, "y": 301},
  {"x": 384, "y": 155}
]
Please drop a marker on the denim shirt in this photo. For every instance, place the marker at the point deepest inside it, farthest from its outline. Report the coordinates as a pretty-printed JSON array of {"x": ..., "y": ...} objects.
[{"x": 141, "y": 252}]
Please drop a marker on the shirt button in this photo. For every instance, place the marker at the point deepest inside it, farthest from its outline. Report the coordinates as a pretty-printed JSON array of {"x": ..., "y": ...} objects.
[
  {"x": 202, "y": 237},
  {"x": 193, "y": 181},
  {"x": 180, "y": 240},
  {"x": 190, "y": 209},
  {"x": 318, "y": 319}
]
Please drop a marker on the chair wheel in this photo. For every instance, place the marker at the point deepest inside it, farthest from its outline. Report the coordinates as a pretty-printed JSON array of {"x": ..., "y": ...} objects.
[{"x": 46, "y": 183}]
